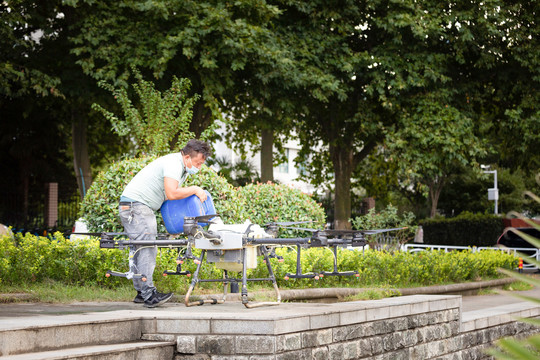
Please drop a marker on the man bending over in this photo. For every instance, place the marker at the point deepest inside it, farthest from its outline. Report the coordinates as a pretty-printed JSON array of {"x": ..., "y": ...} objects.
[{"x": 160, "y": 180}]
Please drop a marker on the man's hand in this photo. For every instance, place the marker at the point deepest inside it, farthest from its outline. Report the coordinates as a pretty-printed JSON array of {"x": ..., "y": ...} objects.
[{"x": 201, "y": 194}]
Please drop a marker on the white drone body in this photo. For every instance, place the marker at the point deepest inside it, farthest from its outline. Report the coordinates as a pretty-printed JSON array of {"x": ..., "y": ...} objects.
[{"x": 226, "y": 252}]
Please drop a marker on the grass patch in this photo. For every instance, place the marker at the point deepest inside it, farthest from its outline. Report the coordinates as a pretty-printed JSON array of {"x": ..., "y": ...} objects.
[
  {"x": 518, "y": 286},
  {"x": 372, "y": 294},
  {"x": 55, "y": 292},
  {"x": 515, "y": 286},
  {"x": 50, "y": 291},
  {"x": 487, "y": 291}
]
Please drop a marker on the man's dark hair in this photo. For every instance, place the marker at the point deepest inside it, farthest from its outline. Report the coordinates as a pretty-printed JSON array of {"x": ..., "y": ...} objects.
[{"x": 193, "y": 147}]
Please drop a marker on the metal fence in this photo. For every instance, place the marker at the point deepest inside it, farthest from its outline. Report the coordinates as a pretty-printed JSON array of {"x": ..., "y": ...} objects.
[
  {"x": 529, "y": 252},
  {"x": 33, "y": 220}
]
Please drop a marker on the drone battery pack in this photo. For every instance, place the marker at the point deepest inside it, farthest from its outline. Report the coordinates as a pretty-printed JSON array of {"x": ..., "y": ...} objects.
[{"x": 174, "y": 211}]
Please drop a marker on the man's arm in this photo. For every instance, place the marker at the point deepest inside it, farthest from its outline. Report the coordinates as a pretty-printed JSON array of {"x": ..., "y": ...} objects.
[{"x": 173, "y": 192}]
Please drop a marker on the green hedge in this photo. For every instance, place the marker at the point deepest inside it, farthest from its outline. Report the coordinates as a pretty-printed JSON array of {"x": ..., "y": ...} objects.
[
  {"x": 399, "y": 269},
  {"x": 29, "y": 259},
  {"x": 464, "y": 230}
]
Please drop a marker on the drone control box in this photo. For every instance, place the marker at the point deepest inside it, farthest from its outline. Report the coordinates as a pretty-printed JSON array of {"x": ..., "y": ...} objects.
[{"x": 227, "y": 253}]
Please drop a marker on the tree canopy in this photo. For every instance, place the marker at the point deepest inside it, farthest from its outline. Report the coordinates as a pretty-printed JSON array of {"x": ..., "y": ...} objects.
[{"x": 349, "y": 78}]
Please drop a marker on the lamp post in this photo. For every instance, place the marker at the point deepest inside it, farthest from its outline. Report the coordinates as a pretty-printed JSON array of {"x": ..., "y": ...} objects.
[{"x": 493, "y": 193}]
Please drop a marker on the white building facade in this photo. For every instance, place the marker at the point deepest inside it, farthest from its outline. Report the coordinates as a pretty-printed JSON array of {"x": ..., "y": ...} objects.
[{"x": 285, "y": 173}]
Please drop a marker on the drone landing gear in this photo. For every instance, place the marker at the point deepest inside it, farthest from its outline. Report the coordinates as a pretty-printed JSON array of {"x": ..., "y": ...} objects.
[
  {"x": 317, "y": 276},
  {"x": 194, "y": 283},
  {"x": 131, "y": 274},
  {"x": 178, "y": 271},
  {"x": 128, "y": 275},
  {"x": 336, "y": 272},
  {"x": 228, "y": 280},
  {"x": 271, "y": 277},
  {"x": 298, "y": 274},
  {"x": 179, "y": 261}
]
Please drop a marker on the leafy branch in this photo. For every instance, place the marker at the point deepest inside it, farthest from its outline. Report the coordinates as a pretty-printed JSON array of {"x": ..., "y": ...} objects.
[{"x": 159, "y": 122}]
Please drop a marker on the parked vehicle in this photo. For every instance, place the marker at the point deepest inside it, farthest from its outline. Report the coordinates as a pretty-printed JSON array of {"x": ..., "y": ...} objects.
[
  {"x": 78, "y": 228},
  {"x": 512, "y": 240}
]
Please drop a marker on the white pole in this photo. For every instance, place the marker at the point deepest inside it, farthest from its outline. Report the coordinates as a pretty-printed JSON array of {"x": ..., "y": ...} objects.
[{"x": 496, "y": 190}]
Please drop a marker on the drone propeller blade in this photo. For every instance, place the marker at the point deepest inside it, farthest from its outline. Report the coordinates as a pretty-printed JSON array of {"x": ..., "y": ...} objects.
[
  {"x": 336, "y": 232},
  {"x": 378, "y": 231},
  {"x": 340, "y": 232},
  {"x": 87, "y": 233},
  {"x": 288, "y": 223},
  {"x": 301, "y": 229}
]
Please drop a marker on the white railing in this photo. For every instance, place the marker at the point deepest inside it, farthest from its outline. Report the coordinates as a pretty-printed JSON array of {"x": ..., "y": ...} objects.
[
  {"x": 531, "y": 252},
  {"x": 422, "y": 247}
]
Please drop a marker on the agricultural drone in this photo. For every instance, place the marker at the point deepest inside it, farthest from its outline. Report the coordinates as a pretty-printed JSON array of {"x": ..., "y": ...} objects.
[{"x": 232, "y": 248}]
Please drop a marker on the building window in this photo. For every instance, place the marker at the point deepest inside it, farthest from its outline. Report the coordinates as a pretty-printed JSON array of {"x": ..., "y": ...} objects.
[
  {"x": 284, "y": 167},
  {"x": 301, "y": 170}
]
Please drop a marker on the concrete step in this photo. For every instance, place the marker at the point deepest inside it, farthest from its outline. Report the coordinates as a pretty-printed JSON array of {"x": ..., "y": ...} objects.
[
  {"x": 51, "y": 333},
  {"x": 163, "y": 350}
]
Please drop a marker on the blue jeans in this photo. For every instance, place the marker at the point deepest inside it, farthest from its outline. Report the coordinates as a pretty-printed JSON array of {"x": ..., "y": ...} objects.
[{"x": 140, "y": 223}]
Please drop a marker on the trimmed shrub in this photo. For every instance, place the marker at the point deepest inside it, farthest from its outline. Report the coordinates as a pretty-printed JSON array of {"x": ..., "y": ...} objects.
[
  {"x": 228, "y": 203},
  {"x": 399, "y": 269},
  {"x": 464, "y": 230},
  {"x": 271, "y": 202},
  {"x": 99, "y": 207},
  {"x": 29, "y": 258},
  {"x": 261, "y": 203}
]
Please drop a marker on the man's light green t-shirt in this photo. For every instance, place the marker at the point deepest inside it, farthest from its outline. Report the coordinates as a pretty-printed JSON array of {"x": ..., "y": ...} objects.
[{"x": 147, "y": 186}]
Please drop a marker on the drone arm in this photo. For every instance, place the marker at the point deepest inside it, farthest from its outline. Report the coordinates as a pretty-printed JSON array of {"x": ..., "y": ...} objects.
[
  {"x": 273, "y": 241},
  {"x": 111, "y": 244}
]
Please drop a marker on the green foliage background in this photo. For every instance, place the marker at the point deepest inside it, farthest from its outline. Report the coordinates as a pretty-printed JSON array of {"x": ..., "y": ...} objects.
[
  {"x": 260, "y": 203},
  {"x": 464, "y": 230},
  {"x": 99, "y": 207},
  {"x": 276, "y": 202},
  {"x": 31, "y": 259},
  {"x": 387, "y": 218}
]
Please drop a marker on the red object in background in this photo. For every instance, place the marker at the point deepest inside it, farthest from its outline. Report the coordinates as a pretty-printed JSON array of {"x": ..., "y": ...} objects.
[{"x": 517, "y": 223}]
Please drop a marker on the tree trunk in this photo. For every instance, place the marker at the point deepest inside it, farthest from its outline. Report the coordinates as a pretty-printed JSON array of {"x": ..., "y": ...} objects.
[
  {"x": 267, "y": 156},
  {"x": 342, "y": 159},
  {"x": 81, "y": 161},
  {"x": 435, "y": 188},
  {"x": 201, "y": 118}
]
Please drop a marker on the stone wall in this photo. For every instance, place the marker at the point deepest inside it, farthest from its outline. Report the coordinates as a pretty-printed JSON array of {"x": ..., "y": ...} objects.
[{"x": 411, "y": 327}]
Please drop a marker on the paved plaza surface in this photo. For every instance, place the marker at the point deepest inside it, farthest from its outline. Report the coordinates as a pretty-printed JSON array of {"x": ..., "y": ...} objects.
[
  {"x": 96, "y": 329},
  {"x": 19, "y": 310}
]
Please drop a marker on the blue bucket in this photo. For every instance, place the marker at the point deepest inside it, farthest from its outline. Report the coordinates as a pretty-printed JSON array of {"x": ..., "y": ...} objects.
[{"x": 174, "y": 211}]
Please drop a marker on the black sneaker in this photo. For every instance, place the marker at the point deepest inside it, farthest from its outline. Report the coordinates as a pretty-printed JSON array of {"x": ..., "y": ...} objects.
[
  {"x": 138, "y": 299},
  {"x": 157, "y": 299}
]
